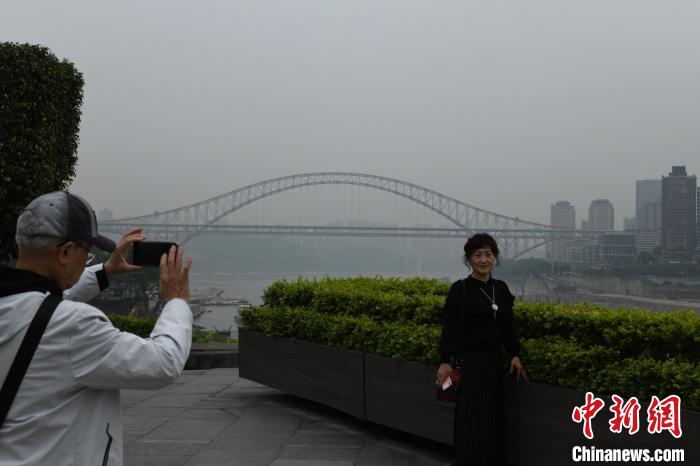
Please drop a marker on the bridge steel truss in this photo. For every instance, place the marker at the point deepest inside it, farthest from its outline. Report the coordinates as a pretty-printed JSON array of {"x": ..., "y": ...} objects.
[{"x": 181, "y": 224}]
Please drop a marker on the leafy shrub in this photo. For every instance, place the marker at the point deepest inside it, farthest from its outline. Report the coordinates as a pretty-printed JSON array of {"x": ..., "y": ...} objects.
[
  {"x": 409, "y": 341},
  {"x": 630, "y": 332},
  {"x": 416, "y": 299},
  {"x": 568, "y": 363},
  {"x": 551, "y": 359},
  {"x": 144, "y": 326},
  {"x": 135, "y": 325},
  {"x": 631, "y": 352},
  {"x": 40, "y": 100}
]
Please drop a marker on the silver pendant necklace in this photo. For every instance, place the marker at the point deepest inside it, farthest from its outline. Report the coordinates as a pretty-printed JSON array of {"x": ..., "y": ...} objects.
[{"x": 494, "y": 306}]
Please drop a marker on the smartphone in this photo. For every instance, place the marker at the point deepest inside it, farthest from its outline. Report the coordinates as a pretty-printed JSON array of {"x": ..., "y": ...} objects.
[{"x": 148, "y": 253}]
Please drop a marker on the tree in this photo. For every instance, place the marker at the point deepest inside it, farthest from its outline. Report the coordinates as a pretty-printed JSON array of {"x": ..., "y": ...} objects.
[{"x": 40, "y": 101}]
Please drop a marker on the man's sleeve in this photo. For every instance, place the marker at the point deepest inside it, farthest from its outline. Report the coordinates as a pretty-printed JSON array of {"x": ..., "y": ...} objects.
[
  {"x": 91, "y": 283},
  {"x": 106, "y": 358}
]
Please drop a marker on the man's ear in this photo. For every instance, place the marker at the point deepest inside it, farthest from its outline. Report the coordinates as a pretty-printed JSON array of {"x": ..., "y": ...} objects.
[{"x": 63, "y": 252}]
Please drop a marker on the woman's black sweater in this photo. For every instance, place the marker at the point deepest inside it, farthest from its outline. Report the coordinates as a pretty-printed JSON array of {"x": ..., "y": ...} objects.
[{"x": 468, "y": 307}]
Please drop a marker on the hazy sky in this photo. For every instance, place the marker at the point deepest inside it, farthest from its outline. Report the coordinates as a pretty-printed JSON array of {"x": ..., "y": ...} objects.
[{"x": 509, "y": 106}]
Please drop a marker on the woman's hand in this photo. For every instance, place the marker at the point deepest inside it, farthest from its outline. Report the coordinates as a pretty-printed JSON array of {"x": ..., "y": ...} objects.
[
  {"x": 516, "y": 365},
  {"x": 443, "y": 373}
]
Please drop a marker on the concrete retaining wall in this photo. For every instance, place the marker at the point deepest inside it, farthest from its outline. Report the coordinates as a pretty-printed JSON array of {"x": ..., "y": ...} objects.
[{"x": 401, "y": 395}]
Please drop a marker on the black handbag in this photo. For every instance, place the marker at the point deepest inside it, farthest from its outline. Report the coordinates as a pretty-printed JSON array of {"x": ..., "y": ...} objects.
[{"x": 451, "y": 393}]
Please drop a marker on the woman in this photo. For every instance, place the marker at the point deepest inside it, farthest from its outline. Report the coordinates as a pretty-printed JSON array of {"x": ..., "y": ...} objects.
[{"x": 477, "y": 324}]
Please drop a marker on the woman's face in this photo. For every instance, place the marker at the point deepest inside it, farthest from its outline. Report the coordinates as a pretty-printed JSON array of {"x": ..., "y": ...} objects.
[{"x": 482, "y": 261}]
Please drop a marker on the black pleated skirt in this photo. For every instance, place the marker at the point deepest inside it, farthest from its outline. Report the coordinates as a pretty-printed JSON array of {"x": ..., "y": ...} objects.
[{"x": 480, "y": 427}]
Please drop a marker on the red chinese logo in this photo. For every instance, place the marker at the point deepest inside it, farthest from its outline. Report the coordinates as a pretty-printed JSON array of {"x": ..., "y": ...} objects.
[
  {"x": 625, "y": 415},
  {"x": 587, "y": 412},
  {"x": 665, "y": 415},
  {"x": 661, "y": 415}
]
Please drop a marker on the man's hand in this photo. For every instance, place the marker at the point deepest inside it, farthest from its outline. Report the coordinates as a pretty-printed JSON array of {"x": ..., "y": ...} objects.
[
  {"x": 174, "y": 280},
  {"x": 117, "y": 263},
  {"x": 443, "y": 373},
  {"x": 516, "y": 365}
]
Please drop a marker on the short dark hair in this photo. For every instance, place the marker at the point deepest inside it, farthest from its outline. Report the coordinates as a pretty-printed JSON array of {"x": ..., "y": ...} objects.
[{"x": 478, "y": 241}]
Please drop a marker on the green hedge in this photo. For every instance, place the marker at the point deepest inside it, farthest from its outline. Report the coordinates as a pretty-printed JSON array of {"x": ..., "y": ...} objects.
[
  {"x": 301, "y": 291},
  {"x": 418, "y": 300},
  {"x": 136, "y": 325},
  {"x": 552, "y": 359},
  {"x": 409, "y": 341},
  {"x": 630, "y": 332},
  {"x": 143, "y": 328},
  {"x": 568, "y": 363},
  {"x": 632, "y": 352}
]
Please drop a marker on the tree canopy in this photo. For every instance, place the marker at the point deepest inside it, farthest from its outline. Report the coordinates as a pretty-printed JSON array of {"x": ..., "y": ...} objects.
[{"x": 40, "y": 105}]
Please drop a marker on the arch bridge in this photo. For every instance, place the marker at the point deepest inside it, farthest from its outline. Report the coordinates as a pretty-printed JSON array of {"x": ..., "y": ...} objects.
[{"x": 515, "y": 236}]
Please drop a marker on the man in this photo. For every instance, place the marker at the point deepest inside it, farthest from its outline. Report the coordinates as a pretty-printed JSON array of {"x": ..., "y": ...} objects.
[{"x": 66, "y": 410}]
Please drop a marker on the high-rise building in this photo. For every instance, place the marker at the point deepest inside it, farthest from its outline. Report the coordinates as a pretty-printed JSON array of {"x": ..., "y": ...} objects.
[
  {"x": 617, "y": 248},
  {"x": 678, "y": 210},
  {"x": 601, "y": 215},
  {"x": 647, "y": 240},
  {"x": 562, "y": 215},
  {"x": 697, "y": 220},
  {"x": 648, "y": 204}
]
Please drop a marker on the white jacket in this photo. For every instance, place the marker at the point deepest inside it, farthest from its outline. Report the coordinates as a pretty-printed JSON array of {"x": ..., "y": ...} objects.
[{"x": 67, "y": 410}]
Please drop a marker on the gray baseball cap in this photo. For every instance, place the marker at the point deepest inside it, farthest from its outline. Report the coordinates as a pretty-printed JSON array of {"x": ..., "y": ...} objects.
[{"x": 65, "y": 216}]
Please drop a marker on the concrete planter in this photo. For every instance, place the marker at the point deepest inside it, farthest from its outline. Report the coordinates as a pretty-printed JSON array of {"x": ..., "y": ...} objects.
[
  {"x": 212, "y": 355},
  {"x": 329, "y": 376},
  {"x": 400, "y": 395}
]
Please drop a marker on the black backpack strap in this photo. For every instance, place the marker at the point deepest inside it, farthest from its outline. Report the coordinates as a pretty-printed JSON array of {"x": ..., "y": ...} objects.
[{"x": 26, "y": 353}]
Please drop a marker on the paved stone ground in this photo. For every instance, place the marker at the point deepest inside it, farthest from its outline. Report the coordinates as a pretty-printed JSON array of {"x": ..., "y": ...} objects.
[{"x": 214, "y": 417}]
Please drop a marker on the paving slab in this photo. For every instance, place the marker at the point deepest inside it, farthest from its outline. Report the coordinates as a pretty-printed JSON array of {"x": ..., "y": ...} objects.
[
  {"x": 157, "y": 447},
  {"x": 144, "y": 411},
  {"x": 142, "y": 424},
  {"x": 210, "y": 414},
  {"x": 311, "y": 463},
  {"x": 170, "y": 401},
  {"x": 213, "y": 417},
  {"x": 188, "y": 430},
  {"x": 320, "y": 452},
  {"x": 160, "y": 460},
  {"x": 204, "y": 387}
]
